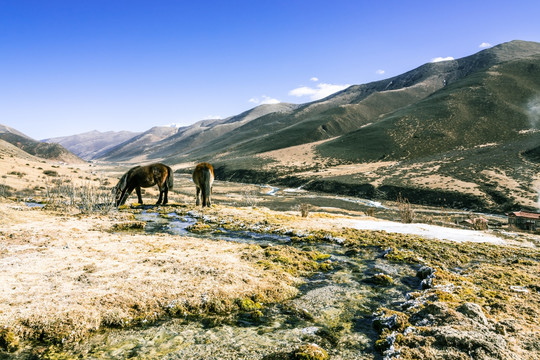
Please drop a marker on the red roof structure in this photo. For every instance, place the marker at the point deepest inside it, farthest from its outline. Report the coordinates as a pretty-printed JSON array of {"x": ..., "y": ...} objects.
[
  {"x": 525, "y": 214},
  {"x": 524, "y": 220}
]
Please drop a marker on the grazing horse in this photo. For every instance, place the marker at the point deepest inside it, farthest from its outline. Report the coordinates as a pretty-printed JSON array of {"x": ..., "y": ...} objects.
[
  {"x": 203, "y": 177},
  {"x": 145, "y": 176}
]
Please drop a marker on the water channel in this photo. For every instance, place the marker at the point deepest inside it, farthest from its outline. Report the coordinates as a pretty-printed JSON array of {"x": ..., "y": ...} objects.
[{"x": 334, "y": 309}]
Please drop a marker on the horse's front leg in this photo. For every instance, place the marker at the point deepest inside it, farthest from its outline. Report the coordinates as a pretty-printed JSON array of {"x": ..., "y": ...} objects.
[
  {"x": 125, "y": 194},
  {"x": 139, "y": 197}
]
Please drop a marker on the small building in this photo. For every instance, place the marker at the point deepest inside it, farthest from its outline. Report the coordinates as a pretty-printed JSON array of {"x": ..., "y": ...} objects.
[{"x": 524, "y": 220}]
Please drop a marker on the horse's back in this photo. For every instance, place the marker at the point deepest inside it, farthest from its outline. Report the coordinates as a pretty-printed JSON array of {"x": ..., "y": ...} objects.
[{"x": 204, "y": 172}]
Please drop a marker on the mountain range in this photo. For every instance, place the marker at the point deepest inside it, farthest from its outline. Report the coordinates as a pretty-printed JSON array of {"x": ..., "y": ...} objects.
[
  {"x": 92, "y": 144},
  {"x": 459, "y": 133}
]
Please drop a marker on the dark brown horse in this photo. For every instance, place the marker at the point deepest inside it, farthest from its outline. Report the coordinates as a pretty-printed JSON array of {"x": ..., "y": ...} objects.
[
  {"x": 145, "y": 176},
  {"x": 203, "y": 177}
]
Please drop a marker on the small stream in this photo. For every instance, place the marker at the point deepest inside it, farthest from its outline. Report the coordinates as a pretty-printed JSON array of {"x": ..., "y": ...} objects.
[{"x": 334, "y": 310}]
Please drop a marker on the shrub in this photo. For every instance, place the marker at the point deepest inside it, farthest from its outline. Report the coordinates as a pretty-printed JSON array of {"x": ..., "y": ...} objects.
[
  {"x": 479, "y": 223},
  {"x": 250, "y": 198},
  {"x": 406, "y": 212},
  {"x": 5, "y": 190},
  {"x": 88, "y": 198},
  {"x": 17, "y": 173},
  {"x": 304, "y": 209},
  {"x": 50, "y": 172}
]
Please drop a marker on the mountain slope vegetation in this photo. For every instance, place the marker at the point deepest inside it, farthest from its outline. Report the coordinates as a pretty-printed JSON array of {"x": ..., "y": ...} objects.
[
  {"x": 463, "y": 133},
  {"x": 40, "y": 149},
  {"x": 489, "y": 106}
]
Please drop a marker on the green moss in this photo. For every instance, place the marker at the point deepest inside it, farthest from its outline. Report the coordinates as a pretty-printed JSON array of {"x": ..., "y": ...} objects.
[
  {"x": 199, "y": 227},
  {"x": 381, "y": 279},
  {"x": 129, "y": 225},
  {"x": 388, "y": 319},
  {"x": 294, "y": 261},
  {"x": 382, "y": 343},
  {"x": 8, "y": 340},
  {"x": 247, "y": 304},
  {"x": 310, "y": 352}
]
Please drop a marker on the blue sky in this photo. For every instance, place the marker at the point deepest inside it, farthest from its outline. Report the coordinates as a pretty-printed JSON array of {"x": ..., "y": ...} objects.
[{"x": 72, "y": 66}]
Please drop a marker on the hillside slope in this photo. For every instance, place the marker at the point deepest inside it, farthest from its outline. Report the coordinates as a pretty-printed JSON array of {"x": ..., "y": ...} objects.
[
  {"x": 189, "y": 138},
  {"x": 490, "y": 106},
  {"x": 43, "y": 150},
  {"x": 472, "y": 143},
  {"x": 93, "y": 143},
  {"x": 272, "y": 127},
  {"x": 354, "y": 107},
  {"x": 136, "y": 148}
]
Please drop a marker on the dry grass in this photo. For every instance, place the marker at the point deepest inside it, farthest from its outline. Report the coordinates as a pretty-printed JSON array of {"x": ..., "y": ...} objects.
[
  {"x": 82, "y": 277},
  {"x": 405, "y": 209}
]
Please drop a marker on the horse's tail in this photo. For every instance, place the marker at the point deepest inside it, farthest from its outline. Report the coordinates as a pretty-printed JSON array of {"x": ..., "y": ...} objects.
[
  {"x": 207, "y": 180},
  {"x": 170, "y": 177}
]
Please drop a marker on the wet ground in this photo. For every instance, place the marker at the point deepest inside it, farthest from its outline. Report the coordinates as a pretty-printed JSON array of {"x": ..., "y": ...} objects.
[{"x": 334, "y": 308}]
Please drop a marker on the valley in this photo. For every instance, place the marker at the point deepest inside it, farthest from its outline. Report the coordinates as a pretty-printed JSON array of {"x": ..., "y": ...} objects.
[{"x": 370, "y": 224}]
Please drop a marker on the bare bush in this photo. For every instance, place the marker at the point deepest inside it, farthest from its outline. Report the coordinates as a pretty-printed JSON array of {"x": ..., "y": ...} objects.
[
  {"x": 5, "y": 190},
  {"x": 479, "y": 223},
  {"x": 52, "y": 173},
  {"x": 304, "y": 209},
  {"x": 88, "y": 198},
  {"x": 406, "y": 212},
  {"x": 250, "y": 198}
]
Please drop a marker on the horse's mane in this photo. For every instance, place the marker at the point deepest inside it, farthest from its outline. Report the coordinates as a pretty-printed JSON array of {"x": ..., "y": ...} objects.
[{"x": 122, "y": 183}]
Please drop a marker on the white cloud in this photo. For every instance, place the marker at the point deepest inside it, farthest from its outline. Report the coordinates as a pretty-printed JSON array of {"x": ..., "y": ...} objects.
[
  {"x": 439, "y": 59},
  {"x": 380, "y": 72},
  {"x": 264, "y": 100},
  {"x": 315, "y": 79},
  {"x": 321, "y": 91},
  {"x": 212, "y": 117},
  {"x": 484, "y": 45}
]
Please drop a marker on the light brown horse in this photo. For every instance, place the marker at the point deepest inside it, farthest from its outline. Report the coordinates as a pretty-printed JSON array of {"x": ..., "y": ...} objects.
[
  {"x": 145, "y": 176},
  {"x": 203, "y": 177}
]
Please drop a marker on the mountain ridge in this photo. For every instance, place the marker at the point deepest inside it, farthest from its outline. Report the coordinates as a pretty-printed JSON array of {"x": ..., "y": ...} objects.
[
  {"x": 336, "y": 115},
  {"x": 92, "y": 144}
]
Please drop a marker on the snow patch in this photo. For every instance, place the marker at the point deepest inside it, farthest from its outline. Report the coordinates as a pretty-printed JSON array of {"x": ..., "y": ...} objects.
[{"x": 427, "y": 231}]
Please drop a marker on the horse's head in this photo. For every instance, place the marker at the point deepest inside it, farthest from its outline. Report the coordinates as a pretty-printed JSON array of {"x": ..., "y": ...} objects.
[
  {"x": 117, "y": 193},
  {"x": 119, "y": 190}
]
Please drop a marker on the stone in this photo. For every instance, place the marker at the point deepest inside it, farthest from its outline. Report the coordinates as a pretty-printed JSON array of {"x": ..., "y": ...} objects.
[{"x": 474, "y": 312}]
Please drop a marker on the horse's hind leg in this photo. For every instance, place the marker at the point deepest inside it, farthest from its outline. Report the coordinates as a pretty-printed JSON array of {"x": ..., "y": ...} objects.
[
  {"x": 165, "y": 195},
  {"x": 198, "y": 196},
  {"x": 139, "y": 197},
  {"x": 208, "y": 201},
  {"x": 204, "y": 198}
]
